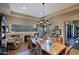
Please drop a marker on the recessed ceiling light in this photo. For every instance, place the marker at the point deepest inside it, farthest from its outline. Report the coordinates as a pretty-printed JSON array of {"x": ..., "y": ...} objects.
[{"x": 24, "y": 8}]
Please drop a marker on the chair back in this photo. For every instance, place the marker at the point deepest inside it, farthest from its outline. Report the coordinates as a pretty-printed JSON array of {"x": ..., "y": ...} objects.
[
  {"x": 53, "y": 39},
  {"x": 29, "y": 43},
  {"x": 68, "y": 49},
  {"x": 60, "y": 40},
  {"x": 39, "y": 50}
]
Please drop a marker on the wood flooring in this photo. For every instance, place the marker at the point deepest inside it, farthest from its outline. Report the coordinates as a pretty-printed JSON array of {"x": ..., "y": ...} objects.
[{"x": 24, "y": 47}]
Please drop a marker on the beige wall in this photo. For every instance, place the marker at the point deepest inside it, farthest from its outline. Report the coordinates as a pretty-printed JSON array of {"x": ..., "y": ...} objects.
[
  {"x": 56, "y": 20},
  {"x": 60, "y": 19},
  {"x": 17, "y": 20}
]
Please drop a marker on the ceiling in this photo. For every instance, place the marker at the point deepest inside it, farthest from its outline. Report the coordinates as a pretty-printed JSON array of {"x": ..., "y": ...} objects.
[{"x": 36, "y": 9}]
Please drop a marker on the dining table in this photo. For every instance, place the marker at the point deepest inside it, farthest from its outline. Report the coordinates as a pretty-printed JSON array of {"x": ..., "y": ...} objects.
[{"x": 54, "y": 49}]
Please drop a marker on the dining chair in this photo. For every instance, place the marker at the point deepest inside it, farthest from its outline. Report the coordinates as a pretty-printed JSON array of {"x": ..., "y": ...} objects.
[
  {"x": 53, "y": 39},
  {"x": 39, "y": 50},
  {"x": 60, "y": 40},
  {"x": 29, "y": 43},
  {"x": 34, "y": 50},
  {"x": 67, "y": 51}
]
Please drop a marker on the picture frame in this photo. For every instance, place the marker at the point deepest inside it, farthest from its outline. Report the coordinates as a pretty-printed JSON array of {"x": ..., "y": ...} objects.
[{"x": 57, "y": 31}]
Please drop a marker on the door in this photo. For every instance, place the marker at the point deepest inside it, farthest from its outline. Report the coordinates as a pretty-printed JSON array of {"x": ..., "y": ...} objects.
[{"x": 69, "y": 33}]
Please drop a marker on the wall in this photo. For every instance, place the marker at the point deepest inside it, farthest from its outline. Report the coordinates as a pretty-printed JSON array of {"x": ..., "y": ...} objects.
[
  {"x": 17, "y": 20},
  {"x": 61, "y": 19},
  {"x": 4, "y": 8}
]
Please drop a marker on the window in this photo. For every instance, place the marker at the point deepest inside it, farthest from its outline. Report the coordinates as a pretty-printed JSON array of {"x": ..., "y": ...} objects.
[{"x": 22, "y": 28}]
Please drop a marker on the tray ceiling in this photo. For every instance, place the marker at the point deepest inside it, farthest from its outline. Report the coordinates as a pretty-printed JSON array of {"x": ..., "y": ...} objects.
[{"x": 36, "y": 9}]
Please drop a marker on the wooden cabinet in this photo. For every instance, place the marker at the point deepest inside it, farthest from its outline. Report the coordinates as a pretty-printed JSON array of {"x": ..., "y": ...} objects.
[{"x": 2, "y": 34}]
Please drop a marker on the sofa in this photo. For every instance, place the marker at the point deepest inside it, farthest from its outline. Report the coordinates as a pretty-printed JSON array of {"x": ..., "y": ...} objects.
[{"x": 14, "y": 41}]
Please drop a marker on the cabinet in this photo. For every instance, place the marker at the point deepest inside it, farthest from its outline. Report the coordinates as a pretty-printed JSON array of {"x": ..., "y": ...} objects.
[{"x": 2, "y": 34}]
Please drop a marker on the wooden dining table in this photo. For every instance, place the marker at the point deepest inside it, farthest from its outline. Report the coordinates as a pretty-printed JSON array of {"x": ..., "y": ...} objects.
[{"x": 54, "y": 49}]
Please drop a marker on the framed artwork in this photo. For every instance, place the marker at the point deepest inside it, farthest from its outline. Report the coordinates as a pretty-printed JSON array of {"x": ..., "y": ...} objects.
[{"x": 57, "y": 31}]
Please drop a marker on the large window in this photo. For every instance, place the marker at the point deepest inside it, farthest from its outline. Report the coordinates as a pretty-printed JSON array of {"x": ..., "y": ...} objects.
[{"x": 22, "y": 28}]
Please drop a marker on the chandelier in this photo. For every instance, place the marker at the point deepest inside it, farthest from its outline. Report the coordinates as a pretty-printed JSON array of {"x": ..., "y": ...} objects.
[{"x": 43, "y": 24}]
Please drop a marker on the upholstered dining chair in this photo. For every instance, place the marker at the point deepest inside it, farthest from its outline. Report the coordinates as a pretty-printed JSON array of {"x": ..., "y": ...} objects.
[
  {"x": 60, "y": 40},
  {"x": 53, "y": 39},
  {"x": 39, "y": 50},
  {"x": 67, "y": 51},
  {"x": 29, "y": 43},
  {"x": 32, "y": 49}
]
